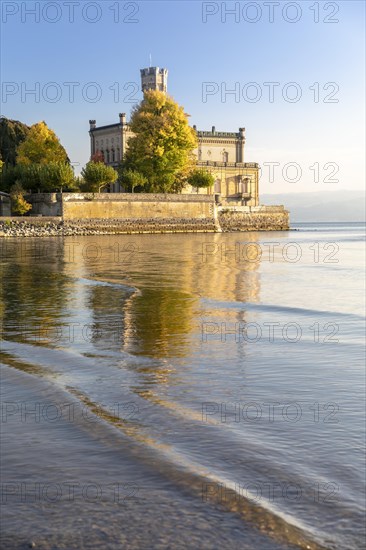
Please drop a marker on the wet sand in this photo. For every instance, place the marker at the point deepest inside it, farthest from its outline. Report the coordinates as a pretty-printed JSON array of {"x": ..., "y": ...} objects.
[{"x": 69, "y": 485}]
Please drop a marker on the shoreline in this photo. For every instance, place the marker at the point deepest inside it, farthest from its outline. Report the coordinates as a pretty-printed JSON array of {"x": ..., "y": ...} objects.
[{"x": 58, "y": 227}]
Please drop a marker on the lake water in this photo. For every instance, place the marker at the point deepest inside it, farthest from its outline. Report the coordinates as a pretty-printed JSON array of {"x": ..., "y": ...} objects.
[{"x": 184, "y": 391}]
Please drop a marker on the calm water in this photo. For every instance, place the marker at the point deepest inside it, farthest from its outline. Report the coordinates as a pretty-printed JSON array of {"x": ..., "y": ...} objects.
[{"x": 184, "y": 391}]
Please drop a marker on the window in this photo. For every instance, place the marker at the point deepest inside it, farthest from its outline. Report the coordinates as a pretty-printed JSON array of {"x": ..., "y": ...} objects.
[
  {"x": 217, "y": 186},
  {"x": 245, "y": 185}
]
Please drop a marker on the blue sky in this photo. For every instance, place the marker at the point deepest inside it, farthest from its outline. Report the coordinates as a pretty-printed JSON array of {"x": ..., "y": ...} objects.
[{"x": 200, "y": 43}]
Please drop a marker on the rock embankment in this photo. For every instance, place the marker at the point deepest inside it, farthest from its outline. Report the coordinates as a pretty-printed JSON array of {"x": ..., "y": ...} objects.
[
  {"x": 253, "y": 221},
  {"x": 56, "y": 227},
  {"x": 227, "y": 221}
]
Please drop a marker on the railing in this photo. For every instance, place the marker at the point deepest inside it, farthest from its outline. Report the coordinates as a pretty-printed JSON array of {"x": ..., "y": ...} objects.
[
  {"x": 228, "y": 164},
  {"x": 217, "y": 134}
]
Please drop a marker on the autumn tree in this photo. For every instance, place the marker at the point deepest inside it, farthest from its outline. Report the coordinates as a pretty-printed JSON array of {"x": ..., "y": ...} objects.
[
  {"x": 163, "y": 142},
  {"x": 97, "y": 175},
  {"x": 41, "y": 146},
  {"x": 97, "y": 157},
  {"x": 18, "y": 203}
]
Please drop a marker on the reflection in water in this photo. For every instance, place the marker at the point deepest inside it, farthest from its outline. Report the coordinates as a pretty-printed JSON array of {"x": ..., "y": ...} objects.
[
  {"x": 71, "y": 293},
  {"x": 77, "y": 294},
  {"x": 152, "y": 321},
  {"x": 34, "y": 300},
  {"x": 161, "y": 321}
]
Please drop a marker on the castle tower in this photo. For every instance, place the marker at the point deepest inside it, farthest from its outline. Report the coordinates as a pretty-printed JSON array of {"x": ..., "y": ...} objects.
[{"x": 154, "y": 78}]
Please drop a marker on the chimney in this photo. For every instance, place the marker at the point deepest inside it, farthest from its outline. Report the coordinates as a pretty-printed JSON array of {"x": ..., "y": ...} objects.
[
  {"x": 93, "y": 124},
  {"x": 213, "y": 129},
  {"x": 122, "y": 118}
]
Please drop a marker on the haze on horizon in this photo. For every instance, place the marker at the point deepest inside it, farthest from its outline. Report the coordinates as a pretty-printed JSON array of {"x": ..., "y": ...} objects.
[{"x": 292, "y": 73}]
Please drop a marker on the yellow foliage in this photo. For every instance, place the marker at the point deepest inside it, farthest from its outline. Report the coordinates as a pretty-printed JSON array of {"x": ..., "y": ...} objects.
[
  {"x": 162, "y": 145},
  {"x": 18, "y": 203},
  {"x": 41, "y": 146}
]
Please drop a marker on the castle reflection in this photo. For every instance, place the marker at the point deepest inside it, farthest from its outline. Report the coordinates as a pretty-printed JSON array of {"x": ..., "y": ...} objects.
[
  {"x": 174, "y": 275},
  {"x": 147, "y": 295}
]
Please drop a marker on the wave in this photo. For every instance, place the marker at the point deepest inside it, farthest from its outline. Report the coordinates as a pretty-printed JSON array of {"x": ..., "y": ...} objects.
[
  {"x": 104, "y": 282},
  {"x": 250, "y": 306},
  {"x": 188, "y": 475}
]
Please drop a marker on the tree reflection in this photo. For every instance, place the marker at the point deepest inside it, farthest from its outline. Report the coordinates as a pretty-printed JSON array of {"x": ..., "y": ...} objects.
[
  {"x": 161, "y": 319},
  {"x": 33, "y": 299}
]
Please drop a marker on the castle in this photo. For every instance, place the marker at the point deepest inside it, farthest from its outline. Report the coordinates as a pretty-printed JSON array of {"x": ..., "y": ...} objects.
[{"x": 222, "y": 153}]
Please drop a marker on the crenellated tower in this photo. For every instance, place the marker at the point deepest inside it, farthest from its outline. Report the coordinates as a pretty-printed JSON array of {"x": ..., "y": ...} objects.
[{"x": 154, "y": 78}]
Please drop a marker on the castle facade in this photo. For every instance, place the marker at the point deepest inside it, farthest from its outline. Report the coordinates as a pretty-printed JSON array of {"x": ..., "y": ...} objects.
[{"x": 222, "y": 153}]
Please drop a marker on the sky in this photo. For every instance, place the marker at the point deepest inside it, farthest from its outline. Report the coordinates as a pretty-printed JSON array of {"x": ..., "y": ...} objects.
[{"x": 295, "y": 71}]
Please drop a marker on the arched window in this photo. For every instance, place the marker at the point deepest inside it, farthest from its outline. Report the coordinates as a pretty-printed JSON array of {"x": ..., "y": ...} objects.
[
  {"x": 112, "y": 154},
  {"x": 225, "y": 156},
  {"x": 107, "y": 156}
]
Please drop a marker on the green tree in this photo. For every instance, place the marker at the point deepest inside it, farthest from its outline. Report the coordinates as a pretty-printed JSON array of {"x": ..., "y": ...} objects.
[
  {"x": 28, "y": 175},
  {"x": 78, "y": 183},
  {"x": 56, "y": 176},
  {"x": 46, "y": 178},
  {"x": 97, "y": 175},
  {"x": 201, "y": 178},
  {"x": 130, "y": 179},
  {"x": 41, "y": 146},
  {"x": 18, "y": 203},
  {"x": 8, "y": 176},
  {"x": 12, "y": 134},
  {"x": 163, "y": 142}
]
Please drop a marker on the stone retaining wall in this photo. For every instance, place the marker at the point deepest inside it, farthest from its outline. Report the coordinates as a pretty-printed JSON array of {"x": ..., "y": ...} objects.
[
  {"x": 271, "y": 220},
  {"x": 125, "y": 213},
  {"x": 121, "y": 205},
  {"x": 5, "y": 207}
]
